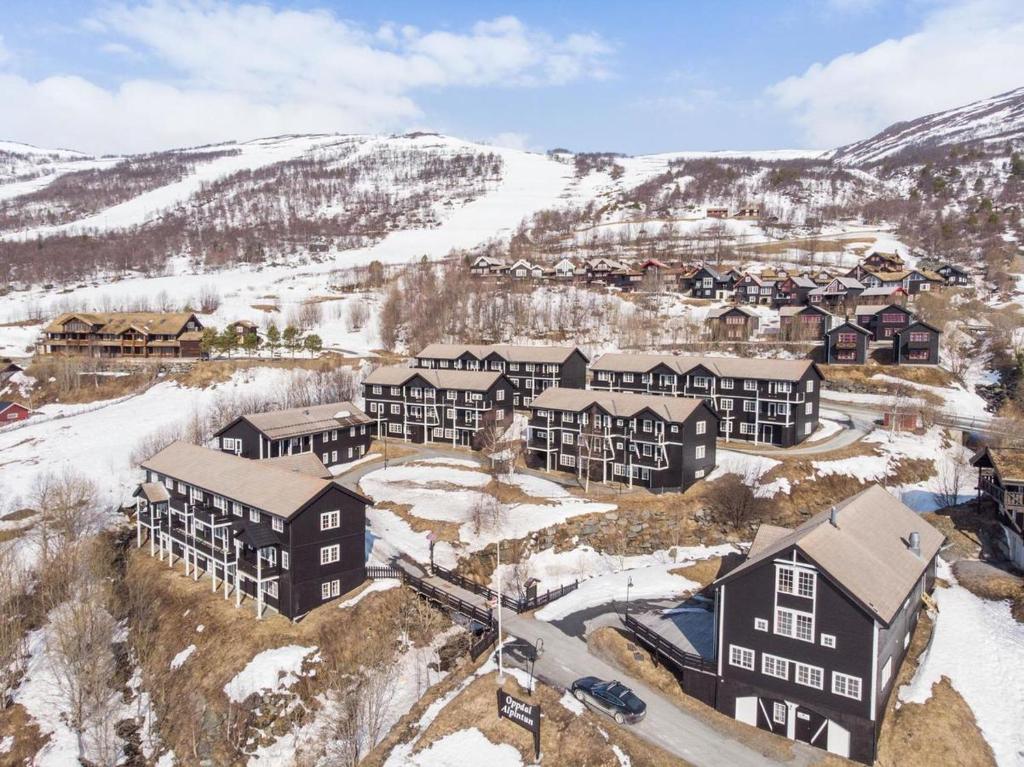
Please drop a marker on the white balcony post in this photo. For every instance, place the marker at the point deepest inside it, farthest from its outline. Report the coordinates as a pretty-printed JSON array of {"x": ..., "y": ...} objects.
[
  {"x": 138, "y": 523},
  {"x": 259, "y": 585},
  {"x": 238, "y": 576}
]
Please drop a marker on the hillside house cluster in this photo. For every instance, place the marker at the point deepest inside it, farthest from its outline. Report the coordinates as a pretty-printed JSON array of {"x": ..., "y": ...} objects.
[
  {"x": 661, "y": 443},
  {"x": 280, "y": 531},
  {"x": 124, "y": 334}
]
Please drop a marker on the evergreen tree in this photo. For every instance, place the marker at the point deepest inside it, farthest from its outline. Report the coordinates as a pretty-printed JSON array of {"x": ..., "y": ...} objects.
[
  {"x": 313, "y": 344},
  {"x": 273, "y": 339}
]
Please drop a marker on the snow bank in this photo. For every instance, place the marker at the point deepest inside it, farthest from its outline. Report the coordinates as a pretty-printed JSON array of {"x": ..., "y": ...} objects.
[
  {"x": 270, "y": 670},
  {"x": 538, "y": 487},
  {"x": 381, "y": 585},
  {"x": 178, "y": 660},
  {"x": 979, "y": 647},
  {"x": 466, "y": 748}
]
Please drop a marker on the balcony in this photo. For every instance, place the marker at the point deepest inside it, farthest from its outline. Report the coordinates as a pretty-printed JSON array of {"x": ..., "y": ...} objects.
[
  {"x": 247, "y": 564},
  {"x": 845, "y": 345}
]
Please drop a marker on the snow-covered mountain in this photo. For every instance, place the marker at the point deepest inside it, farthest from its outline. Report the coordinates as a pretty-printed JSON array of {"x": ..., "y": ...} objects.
[{"x": 987, "y": 122}]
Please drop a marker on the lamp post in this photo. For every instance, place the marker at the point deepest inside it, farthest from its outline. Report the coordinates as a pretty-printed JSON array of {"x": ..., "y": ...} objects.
[{"x": 629, "y": 585}]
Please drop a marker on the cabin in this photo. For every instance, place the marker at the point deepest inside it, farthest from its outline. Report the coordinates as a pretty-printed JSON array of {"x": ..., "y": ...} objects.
[
  {"x": 815, "y": 623},
  {"x": 454, "y": 407},
  {"x": 732, "y": 323},
  {"x": 530, "y": 369},
  {"x": 954, "y": 275},
  {"x": 485, "y": 266},
  {"x": 768, "y": 401},
  {"x": 913, "y": 281},
  {"x": 883, "y": 296},
  {"x": 884, "y": 262},
  {"x": 658, "y": 275},
  {"x": 287, "y": 540},
  {"x": 717, "y": 212},
  {"x": 916, "y": 344},
  {"x": 1001, "y": 482},
  {"x": 10, "y": 412},
  {"x": 520, "y": 270},
  {"x": 757, "y": 289},
  {"x": 749, "y": 212},
  {"x": 710, "y": 283},
  {"x": 245, "y": 330},
  {"x": 795, "y": 290},
  {"x": 846, "y": 344},
  {"x": 883, "y": 320},
  {"x": 565, "y": 270},
  {"x": 335, "y": 432},
  {"x": 661, "y": 443},
  {"x": 840, "y": 291},
  {"x": 8, "y": 369},
  {"x": 804, "y": 323},
  {"x": 124, "y": 334}
]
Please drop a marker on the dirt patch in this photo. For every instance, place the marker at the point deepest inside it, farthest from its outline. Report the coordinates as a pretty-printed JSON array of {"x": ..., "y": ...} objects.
[
  {"x": 942, "y": 730},
  {"x": 989, "y": 582},
  {"x": 703, "y": 571},
  {"x": 567, "y": 738},
  {"x": 27, "y": 740},
  {"x": 265, "y": 307},
  {"x": 17, "y": 516},
  {"x": 610, "y": 645},
  {"x": 202, "y": 375}
]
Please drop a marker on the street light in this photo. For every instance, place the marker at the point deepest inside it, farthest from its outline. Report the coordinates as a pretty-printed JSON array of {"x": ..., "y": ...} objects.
[{"x": 629, "y": 585}]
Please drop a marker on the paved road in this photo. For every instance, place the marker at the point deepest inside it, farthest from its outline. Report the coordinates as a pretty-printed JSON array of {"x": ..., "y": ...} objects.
[{"x": 566, "y": 658}]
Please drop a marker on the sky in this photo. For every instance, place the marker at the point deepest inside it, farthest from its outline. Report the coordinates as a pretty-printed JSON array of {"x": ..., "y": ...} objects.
[{"x": 635, "y": 77}]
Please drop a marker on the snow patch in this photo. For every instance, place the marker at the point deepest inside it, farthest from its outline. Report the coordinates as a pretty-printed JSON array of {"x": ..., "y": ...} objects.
[{"x": 270, "y": 670}]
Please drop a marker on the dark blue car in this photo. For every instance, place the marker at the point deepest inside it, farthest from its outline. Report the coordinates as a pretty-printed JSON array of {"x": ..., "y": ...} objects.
[{"x": 612, "y": 698}]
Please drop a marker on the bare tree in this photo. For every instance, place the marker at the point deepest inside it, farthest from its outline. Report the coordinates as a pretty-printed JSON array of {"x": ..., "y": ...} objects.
[
  {"x": 733, "y": 502},
  {"x": 68, "y": 506},
  {"x": 209, "y": 299},
  {"x": 356, "y": 315},
  {"x": 953, "y": 477},
  {"x": 14, "y": 623}
]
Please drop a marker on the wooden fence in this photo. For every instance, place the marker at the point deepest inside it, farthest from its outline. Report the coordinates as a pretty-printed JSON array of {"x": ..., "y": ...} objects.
[{"x": 518, "y": 604}]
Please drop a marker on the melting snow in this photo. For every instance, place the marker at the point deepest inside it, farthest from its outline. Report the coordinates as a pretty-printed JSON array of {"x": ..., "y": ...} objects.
[
  {"x": 271, "y": 670},
  {"x": 178, "y": 660}
]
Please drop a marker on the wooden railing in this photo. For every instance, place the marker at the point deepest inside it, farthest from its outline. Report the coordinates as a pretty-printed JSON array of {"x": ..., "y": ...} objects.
[
  {"x": 518, "y": 604},
  {"x": 666, "y": 650}
]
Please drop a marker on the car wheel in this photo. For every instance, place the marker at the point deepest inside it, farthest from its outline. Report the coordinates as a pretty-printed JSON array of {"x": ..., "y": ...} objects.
[
  {"x": 620, "y": 719},
  {"x": 578, "y": 694}
]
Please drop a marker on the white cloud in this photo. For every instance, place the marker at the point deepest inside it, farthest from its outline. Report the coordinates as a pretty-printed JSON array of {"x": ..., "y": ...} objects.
[
  {"x": 964, "y": 51},
  {"x": 241, "y": 70},
  {"x": 510, "y": 140},
  {"x": 4, "y": 53}
]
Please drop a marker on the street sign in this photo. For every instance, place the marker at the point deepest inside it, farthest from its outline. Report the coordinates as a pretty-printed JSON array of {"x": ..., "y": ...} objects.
[{"x": 526, "y": 715}]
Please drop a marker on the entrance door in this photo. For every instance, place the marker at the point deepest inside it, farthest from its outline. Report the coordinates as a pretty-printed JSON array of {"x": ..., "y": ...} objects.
[
  {"x": 767, "y": 434},
  {"x": 811, "y": 727}
]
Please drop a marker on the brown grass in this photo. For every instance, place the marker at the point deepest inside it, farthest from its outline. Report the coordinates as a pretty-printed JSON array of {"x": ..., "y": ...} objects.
[
  {"x": 28, "y": 740},
  {"x": 703, "y": 571},
  {"x": 566, "y": 738},
  {"x": 18, "y": 515},
  {"x": 609, "y": 644},
  {"x": 942, "y": 730},
  {"x": 863, "y": 376},
  {"x": 202, "y": 375},
  {"x": 265, "y": 307}
]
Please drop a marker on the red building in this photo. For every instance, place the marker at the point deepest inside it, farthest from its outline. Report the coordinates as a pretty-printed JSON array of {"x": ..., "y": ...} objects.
[{"x": 12, "y": 411}]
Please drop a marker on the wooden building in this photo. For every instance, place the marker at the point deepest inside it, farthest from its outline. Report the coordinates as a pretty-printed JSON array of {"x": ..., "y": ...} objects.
[
  {"x": 245, "y": 329},
  {"x": 708, "y": 282},
  {"x": 445, "y": 406},
  {"x": 846, "y": 344},
  {"x": 954, "y": 275},
  {"x": 732, "y": 323},
  {"x": 882, "y": 296},
  {"x": 662, "y": 443},
  {"x": 762, "y": 400},
  {"x": 913, "y": 281},
  {"x": 916, "y": 344},
  {"x": 12, "y": 411},
  {"x": 485, "y": 266},
  {"x": 757, "y": 289},
  {"x": 884, "y": 262},
  {"x": 124, "y": 334},
  {"x": 814, "y": 625},
  {"x": 839, "y": 292},
  {"x": 1001, "y": 481},
  {"x": 8, "y": 368},
  {"x": 795, "y": 290},
  {"x": 335, "y": 433},
  {"x": 804, "y": 323},
  {"x": 286, "y": 539},
  {"x": 530, "y": 369},
  {"x": 883, "y": 320}
]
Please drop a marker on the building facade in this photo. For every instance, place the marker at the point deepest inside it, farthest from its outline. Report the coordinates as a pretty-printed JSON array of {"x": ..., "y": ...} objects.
[
  {"x": 814, "y": 625},
  {"x": 124, "y": 334},
  {"x": 445, "y": 406},
  {"x": 804, "y": 323},
  {"x": 847, "y": 344},
  {"x": 732, "y": 323},
  {"x": 661, "y": 443},
  {"x": 884, "y": 321},
  {"x": 916, "y": 344},
  {"x": 283, "y": 538},
  {"x": 335, "y": 433},
  {"x": 761, "y": 400},
  {"x": 530, "y": 369},
  {"x": 1001, "y": 481},
  {"x": 11, "y": 412}
]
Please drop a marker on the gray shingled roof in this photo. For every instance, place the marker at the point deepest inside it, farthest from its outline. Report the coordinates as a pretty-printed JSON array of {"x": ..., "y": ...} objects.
[
  {"x": 674, "y": 409},
  {"x": 511, "y": 352},
  {"x": 279, "y": 424},
  {"x": 866, "y": 553},
  {"x": 398, "y": 375},
  {"x": 257, "y": 484},
  {"x": 303, "y": 463},
  {"x": 727, "y": 367},
  {"x": 721, "y": 311}
]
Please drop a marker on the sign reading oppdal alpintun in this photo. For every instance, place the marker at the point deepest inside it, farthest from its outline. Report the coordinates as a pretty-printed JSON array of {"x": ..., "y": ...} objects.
[{"x": 526, "y": 715}]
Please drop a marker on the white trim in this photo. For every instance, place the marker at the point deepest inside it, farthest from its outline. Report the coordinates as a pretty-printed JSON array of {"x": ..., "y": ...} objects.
[
  {"x": 738, "y": 656},
  {"x": 848, "y": 680},
  {"x": 874, "y": 669},
  {"x": 775, "y": 660}
]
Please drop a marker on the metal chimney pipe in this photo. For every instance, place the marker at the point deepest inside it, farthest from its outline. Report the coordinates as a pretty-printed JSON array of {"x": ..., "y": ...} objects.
[
  {"x": 915, "y": 543},
  {"x": 833, "y": 516}
]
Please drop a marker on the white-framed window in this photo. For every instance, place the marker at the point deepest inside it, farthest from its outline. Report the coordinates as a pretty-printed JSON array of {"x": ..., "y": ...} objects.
[
  {"x": 499, "y": 414},
  {"x": 334, "y": 455},
  {"x": 646, "y": 425},
  {"x": 750, "y": 386},
  {"x": 329, "y": 520},
  {"x": 499, "y": 395},
  {"x": 277, "y": 524},
  {"x": 254, "y": 515},
  {"x": 396, "y": 391},
  {"x": 286, "y": 560},
  {"x": 396, "y": 409},
  {"x": 846, "y": 685},
  {"x": 784, "y": 580},
  {"x": 674, "y": 428},
  {"x": 182, "y": 488},
  {"x": 828, "y": 640},
  {"x": 727, "y": 383},
  {"x": 627, "y": 378},
  {"x": 741, "y": 657},
  {"x": 702, "y": 427},
  {"x": 699, "y": 451},
  {"x": 808, "y": 408},
  {"x": 795, "y": 581},
  {"x": 886, "y": 672},
  {"x": 810, "y": 386},
  {"x": 805, "y": 583},
  {"x": 326, "y": 459},
  {"x": 395, "y": 428},
  {"x": 810, "y": 676},
  {"x": 747, "y": 429},
  {"x": 699, "y": 474},
  {"x": 794, "y": 624},
  {"x": 330, "y": 589},
  {"x": 760, "y": 624},
  {"x": 618, "y": 470},
  {"x": 567, "y": 460},
  {"x": 648, "y": 451},
  {"x": 773, "y": 665},
  {"x": 377, "y": 390},
  {"x": 237, "y": 509},
  {"x": 749, "y": 406},
  {"x": 567, "y": 438},
  {"x": 783, "y": 387},
  {"x": 330, "y": 554},
  {"x": 779, "y": 711},
  {"x": 700, "y": 382},
  {"x": 725, "y": 403},
  {"x": 168, "y": 483},
  {"x": 567, "y": 417}
]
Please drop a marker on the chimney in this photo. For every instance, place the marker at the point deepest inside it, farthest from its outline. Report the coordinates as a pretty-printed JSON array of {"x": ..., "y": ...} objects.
[
  {"x": 915, "y": 544},
  {"x": 833, "y": 516}
]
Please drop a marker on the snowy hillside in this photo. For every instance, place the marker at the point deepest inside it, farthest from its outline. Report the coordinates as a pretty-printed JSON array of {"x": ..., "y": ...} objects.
[{"x": 990, "y": 121}]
